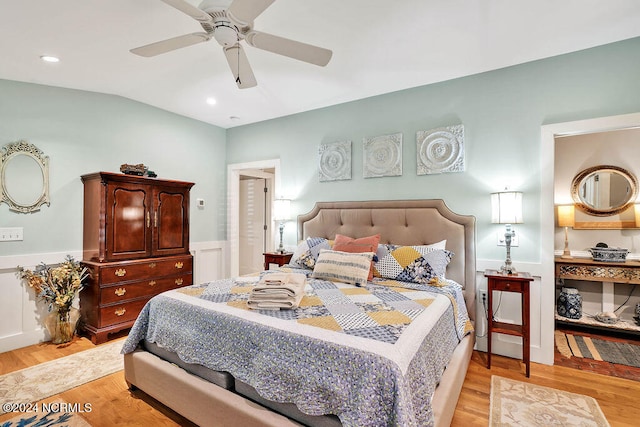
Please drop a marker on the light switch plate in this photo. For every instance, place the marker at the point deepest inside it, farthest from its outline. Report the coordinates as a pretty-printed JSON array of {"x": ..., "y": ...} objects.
[{"x": 8, "y": 234}]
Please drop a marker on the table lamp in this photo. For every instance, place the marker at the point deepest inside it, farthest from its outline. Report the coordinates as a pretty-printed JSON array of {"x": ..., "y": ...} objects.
[
  {"x": 506, "y": 208},
  {"x": 281, "y": 213},
  {"x": 566, "y": 219}
]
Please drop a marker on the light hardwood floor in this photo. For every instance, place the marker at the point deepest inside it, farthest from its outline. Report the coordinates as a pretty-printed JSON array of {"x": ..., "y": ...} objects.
[{"x": 114, "y": 405}]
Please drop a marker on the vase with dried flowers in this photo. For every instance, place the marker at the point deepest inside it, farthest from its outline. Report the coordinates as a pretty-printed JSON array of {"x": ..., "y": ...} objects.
[{"x": 58, "y": 286}]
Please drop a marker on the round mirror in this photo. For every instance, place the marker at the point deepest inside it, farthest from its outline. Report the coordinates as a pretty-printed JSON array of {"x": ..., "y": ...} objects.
[
  {"x": 24, "y": 177},
  {"x": 604, "y": 190}
]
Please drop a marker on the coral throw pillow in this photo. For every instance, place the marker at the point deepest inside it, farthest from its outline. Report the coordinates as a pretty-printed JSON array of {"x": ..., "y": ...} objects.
[{"x": 361, "y": 245}]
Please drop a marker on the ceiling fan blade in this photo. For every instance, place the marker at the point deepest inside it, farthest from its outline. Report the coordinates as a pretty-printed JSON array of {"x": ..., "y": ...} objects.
[
  {"x": 174, "y": 43},
  {"x": 291, "y": 48},
  {"x": 192, "y": 11},
  {"x": 240, "y": 67},
  {"x": 244, "y": 12}
]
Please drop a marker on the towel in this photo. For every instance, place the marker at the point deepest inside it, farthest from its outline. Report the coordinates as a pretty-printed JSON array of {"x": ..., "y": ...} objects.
[{"x": 278, "y": 290}]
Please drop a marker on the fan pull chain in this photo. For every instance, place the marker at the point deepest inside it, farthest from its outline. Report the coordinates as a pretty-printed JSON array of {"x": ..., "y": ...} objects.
[{"x": 238, "y": 82}]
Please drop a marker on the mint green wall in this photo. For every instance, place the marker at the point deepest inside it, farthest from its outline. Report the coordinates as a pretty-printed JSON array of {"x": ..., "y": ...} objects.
[
  {"x": 84, "y": 132},
  {"x": 502, "y": 112}
]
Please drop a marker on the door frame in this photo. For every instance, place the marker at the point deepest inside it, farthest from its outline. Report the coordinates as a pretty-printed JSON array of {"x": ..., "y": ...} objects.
[
  {"x": 233, "y": 204},
  {"x": 547, "y": 214}
]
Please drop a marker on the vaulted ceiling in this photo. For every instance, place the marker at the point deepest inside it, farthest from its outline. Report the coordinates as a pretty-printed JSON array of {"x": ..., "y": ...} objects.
[{"x": 378, "y": 47}]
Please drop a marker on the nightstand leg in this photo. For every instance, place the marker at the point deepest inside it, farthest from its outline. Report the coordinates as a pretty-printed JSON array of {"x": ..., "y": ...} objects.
[
  {"x": 526, "y": 345},
  {"x": 489, "y": 324}
]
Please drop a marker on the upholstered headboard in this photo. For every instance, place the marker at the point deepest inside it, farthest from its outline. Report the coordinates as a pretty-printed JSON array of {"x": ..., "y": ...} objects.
[{"x": 402, "y": 222}]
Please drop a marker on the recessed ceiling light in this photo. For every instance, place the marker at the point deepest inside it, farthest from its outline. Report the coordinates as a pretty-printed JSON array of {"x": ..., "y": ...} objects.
[
  {"x": 49, "y": 58},
  {"x": 234, "y": 118},
  {"x": 211, "y": 101}
]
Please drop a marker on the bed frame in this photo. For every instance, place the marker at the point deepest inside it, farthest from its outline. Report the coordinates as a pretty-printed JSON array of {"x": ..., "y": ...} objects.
[{"x": 409, "y": 222}]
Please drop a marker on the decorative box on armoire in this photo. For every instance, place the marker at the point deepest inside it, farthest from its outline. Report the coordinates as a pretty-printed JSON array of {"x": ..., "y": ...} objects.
[{"x": 135, "y": 246}]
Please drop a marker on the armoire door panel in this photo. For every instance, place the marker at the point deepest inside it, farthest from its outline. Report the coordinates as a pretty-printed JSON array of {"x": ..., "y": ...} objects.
[
  {"x": 128, "y": 232},
  {"x": 171, "y": 221}
]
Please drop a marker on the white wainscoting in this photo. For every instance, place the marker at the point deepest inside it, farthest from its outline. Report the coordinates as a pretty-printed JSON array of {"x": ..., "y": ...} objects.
[
  {"x": 21, "y": 319},
  {"x": 210, "y": 261}
]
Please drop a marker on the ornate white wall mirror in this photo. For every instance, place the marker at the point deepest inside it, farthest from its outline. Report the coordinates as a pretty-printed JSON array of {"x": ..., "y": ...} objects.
[{"x": 24, "y": 177}]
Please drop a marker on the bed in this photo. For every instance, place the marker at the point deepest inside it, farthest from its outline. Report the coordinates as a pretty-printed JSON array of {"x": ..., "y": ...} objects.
[{"x": 201, "y": 391}]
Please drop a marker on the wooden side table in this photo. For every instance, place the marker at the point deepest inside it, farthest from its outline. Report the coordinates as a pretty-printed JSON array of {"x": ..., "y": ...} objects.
[
  {"x": 497, "y": 281},
  {"x": 276, "y": 258}
]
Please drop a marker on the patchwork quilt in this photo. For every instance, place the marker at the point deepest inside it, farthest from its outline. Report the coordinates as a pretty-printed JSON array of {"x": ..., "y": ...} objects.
[{"x": 371, "y": 355}]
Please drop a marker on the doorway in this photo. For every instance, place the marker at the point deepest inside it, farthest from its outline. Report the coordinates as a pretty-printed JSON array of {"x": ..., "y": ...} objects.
[
  {"x": 549, "y": 133},
  {"x": 254, "y": 172},
  {"x": 256, "y": 189}
]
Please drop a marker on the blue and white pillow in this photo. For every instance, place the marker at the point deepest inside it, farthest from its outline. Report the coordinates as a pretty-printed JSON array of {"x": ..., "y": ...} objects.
[
  {"x": 308, "y": 251},
  {"x": 417, "y": 264}
]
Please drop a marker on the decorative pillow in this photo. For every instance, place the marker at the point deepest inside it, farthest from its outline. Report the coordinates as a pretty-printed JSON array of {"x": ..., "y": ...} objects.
[
  {"x": 442, "y": 244},
  {"x": 308, "y": 250},
  {"x": 418, "y": 264},
  {"x": 343, "y": 267},
  {"x": 363, "y": 244},
  {"x": 385, "y": 249}
]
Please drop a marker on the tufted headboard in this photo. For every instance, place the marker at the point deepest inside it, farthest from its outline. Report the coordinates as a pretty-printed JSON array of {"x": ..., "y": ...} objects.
[{"x": 402, "y": 222}]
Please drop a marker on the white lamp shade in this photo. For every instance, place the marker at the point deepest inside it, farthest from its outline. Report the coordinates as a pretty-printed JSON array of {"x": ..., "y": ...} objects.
[
  {"x": 566, "y": 216},
  {"x": 506, "y": 207},
  {"x": 281, "y": 209}
]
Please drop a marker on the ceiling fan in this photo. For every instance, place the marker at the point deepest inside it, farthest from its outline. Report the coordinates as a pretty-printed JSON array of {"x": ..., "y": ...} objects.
[{"x": 229, "y": 27}]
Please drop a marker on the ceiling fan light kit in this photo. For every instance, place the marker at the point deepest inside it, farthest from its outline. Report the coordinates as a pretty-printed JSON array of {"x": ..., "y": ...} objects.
[{"x": 230, "y": 27}]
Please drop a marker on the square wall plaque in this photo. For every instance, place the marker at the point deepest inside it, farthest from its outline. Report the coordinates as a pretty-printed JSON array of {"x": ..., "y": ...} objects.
[
  {"x": 334, "y": 161},
  {"x": 440, "y": 150},
  {"x": 383, "y": 156}
]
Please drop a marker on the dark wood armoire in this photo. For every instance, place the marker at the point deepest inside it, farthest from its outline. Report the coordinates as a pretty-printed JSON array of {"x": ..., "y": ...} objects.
[{"x": 135, "y": 246}]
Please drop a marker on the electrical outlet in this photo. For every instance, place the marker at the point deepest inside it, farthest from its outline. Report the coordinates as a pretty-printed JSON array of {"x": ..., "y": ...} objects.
[
  {"x": 9, "y": 234},
  {"x": 482, "y": 295}
]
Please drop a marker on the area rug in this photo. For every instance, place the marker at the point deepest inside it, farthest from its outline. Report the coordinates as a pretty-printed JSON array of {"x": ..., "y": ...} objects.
[
  {"x": 56, "y": 376},
  {"x": 515, "y": 403},
  {"x": 592, "y": 348},
  {"x": 55, "y": 413}
]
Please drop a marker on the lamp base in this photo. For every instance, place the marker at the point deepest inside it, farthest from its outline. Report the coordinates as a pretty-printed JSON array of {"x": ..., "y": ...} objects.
[
  {"x": 281, "y": 246},
  {"x": 508, "y": 269},
  {"x": 567, "y": 253}
]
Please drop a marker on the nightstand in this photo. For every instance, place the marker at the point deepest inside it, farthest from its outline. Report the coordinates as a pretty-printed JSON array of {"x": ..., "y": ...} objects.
[
  {"x": 519, "y": 282},
  {"x": 276, "y": 258}
]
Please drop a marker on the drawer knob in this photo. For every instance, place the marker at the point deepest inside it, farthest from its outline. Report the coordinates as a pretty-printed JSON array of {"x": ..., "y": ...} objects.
[
  {"x": 508, "y": 285},
  {"x": 120, "y": 272},
  {"x": 152, "y": 283},
  {"x": 120, "y": 291},
  {"x": 179, "y": 281},
  {"x": 179, "y": 264},
  {"x": 152, "y": 265},
  {"x": 120, "y": 311}
]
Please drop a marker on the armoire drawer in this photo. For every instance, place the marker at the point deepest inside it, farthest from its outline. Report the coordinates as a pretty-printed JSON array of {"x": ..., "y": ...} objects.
[
  {"x": 119, "y": 313},
  {"x": 147, "y": 287},
  {"x": 145, "y": 270}
]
